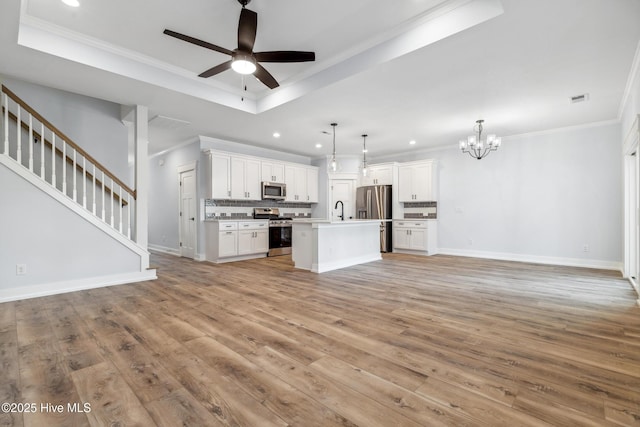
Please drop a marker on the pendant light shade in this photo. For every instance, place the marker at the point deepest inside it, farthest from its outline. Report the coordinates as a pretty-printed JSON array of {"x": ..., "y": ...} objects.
[
  {"x": 364, "y": 155},
  {"x": 334, "y": 163}
]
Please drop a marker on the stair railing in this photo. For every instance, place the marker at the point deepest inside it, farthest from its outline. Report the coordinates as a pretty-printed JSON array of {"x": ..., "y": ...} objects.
[{"x": 64, "y": 165}]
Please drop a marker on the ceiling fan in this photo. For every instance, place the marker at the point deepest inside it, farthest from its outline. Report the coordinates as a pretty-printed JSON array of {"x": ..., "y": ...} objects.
[{"x": 243, "y": 59}]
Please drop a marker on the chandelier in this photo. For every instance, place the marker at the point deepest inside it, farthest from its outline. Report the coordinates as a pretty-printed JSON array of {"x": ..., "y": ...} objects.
[{"x": 476, "y": 146}]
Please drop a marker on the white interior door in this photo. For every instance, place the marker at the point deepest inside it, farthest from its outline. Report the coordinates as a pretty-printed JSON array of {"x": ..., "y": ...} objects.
[
  {"x": 342, "y": 190},
  {"x": 188, "y": 213}
]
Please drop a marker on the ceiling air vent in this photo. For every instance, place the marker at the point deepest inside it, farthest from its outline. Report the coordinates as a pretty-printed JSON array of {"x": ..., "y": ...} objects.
[{"x": 579, "y": 98}]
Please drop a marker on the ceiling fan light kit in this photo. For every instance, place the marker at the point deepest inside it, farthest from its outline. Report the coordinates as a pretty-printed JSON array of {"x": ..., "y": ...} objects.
[
  {"x": 478, "y": 148},
  {"x": 243, "y": 59}
]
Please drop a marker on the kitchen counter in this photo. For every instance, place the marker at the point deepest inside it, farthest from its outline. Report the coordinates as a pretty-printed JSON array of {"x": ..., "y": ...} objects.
[{"x": 321, "y": 245}]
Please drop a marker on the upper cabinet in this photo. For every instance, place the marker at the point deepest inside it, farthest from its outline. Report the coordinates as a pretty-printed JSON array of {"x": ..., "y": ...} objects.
[
  {"x": 219, "y": 175},
  {"x": 272, "y": 171},
  {"x": 417, "y": 181},
  {"x": 380, "y": 174},
  {"x": 239, "y": 177},
  {"x": 302, "y": 183},
  {"x": 245, "y": 179}
]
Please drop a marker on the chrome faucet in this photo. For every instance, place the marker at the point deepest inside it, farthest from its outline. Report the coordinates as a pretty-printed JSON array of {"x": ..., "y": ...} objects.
[{"x": 341, "y": 216}]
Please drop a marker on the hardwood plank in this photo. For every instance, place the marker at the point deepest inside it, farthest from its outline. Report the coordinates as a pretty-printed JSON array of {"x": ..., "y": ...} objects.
[
  {"x": 403, "y": 341},
  {"x": 337, "y": 397},
  {"x": 112, "y": 401}
]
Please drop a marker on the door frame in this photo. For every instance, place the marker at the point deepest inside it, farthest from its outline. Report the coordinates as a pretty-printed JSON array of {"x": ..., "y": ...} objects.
[
  {"x": 192, "y": 166},
  {"x": 631, "y": 162}
]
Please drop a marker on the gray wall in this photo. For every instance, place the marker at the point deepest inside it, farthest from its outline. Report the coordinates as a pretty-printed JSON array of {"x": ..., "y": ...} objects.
[
  {"x": 541, "y": 196},
  {"x": 91, "y": 123}
]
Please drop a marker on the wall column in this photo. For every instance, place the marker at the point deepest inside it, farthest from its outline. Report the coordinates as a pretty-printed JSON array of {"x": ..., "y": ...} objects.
[{"x": 141, "y": 149}]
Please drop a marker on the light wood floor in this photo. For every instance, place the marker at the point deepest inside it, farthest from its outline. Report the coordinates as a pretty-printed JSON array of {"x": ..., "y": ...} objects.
[{"x": 407, "y": 341}]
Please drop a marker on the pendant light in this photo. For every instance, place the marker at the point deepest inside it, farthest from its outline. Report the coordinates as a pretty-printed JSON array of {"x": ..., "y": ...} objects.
[
  {"x": 364, "y": 155},
  {"x": 334, "y": 162}
]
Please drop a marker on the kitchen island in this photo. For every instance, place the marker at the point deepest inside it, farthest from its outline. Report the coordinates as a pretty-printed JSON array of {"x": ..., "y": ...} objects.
[{"x": 320, "y": 245}]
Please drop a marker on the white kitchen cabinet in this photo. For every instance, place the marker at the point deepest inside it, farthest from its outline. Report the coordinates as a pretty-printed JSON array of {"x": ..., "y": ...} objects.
[
  {"x": 245, "y": 179},
  {"x": 381, "y": 174},
  {"x": 415, "y": 236},
  {"x": 302, "y": 183},
  {"x": 219, "y": 175},
  {"x": 236, "y": 240},
  {"x": 312, "y": 185},
  {"x": 272, "y": 171},
  {"x": 253, "y": 237},
  {"x": 417, "y": 181}
]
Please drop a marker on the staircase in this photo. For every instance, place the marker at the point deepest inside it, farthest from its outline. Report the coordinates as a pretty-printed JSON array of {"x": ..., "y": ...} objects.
[{"x": 40, "y": 153}]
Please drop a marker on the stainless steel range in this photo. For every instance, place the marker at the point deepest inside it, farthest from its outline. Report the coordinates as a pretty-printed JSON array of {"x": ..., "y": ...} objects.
[{"x": 279, "y": 230}]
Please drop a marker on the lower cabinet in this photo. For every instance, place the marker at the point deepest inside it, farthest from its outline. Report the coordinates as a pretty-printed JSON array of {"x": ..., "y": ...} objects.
[
  {"x": 236, "y": 240},
  {"x": 415, "y": 236}
]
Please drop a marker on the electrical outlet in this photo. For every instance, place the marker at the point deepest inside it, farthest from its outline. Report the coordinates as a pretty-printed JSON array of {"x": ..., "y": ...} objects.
[
  {"x": 585, "y": 248},
  {"x": 21, "y": 269},
  {"x": 470, "y": 242}
]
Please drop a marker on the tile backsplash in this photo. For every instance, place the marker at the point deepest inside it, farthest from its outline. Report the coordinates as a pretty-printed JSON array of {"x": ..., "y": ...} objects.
[
  {"x": 421, "y": 210},
  {"x": 240, "y": 209}
]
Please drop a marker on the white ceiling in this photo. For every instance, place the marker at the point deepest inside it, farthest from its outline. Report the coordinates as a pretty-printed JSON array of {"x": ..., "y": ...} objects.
[{"x": 420, "y": 70}]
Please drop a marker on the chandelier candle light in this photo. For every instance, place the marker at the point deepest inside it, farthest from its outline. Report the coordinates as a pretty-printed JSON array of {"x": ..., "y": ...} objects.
[{"x": 478, "y": 148}]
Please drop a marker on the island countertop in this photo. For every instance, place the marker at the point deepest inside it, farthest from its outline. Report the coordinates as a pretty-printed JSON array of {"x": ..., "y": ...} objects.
[{"x": 334, "y": 222}]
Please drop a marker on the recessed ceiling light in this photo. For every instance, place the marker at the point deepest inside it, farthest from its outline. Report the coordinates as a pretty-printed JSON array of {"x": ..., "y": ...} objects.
[
  {"x": 276, "y": 135},
  {"x": 318, "y": 145},
  {"x": 72, "y": 3},
  {"x": 412, "y": 142}
]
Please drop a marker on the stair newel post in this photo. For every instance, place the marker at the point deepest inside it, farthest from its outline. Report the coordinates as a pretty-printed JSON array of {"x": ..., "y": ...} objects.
[
  {"x": 103, "y": 212},
  {"x": 64, "y": 167},
  {"x": 84, "y": 182},
  {"x": 42, "y": 151},
  {"x": 30, "y": 142},
  {"x": 19, "y": 136},
  {"x": 53, "y": 160},
  {"x": 112, "y": 193},
  {"x": 6, "y": 123}
]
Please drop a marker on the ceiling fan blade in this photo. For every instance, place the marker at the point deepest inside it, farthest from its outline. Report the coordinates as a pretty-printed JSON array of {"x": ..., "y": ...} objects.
[
  {"x": 198, "y": 42},
  {"x": 265, "y": 77},
  {"x": 216, "y": 70},
  {"x": 285, "y": 56},
  {"x": 247, "y": 27}
]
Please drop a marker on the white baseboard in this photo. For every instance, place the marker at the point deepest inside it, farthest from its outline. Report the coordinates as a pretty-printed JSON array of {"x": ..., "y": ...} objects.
[
  {"x": 329, "y": 266},
  {"x": 47, "y": 289},
  {"x": 535, "y": 259},
  {"x": 164, "y": 249}
]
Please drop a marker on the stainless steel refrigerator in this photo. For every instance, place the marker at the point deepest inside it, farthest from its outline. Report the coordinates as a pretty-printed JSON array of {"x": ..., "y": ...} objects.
[{"x": 374, "y": 202}]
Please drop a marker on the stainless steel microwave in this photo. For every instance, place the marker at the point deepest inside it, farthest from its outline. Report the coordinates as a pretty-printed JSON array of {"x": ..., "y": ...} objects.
[{"x": 274, "y": 191}]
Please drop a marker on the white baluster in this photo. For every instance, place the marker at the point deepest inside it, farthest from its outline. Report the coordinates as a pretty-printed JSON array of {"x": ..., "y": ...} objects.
[
  {"x": 120, "y": 206},
  {"x": 94, "y": 190},
  {"x": 128, "y": 215},
  {"x": 84, "y": 182},
  {"x": 53, "y": 160},
  {"x": 75, "y": 174},
  {"x": 64, "y": 167},
  {"x": 6, "y": 123},
  {"x": 103, "y": 216},
  {"x": 112, "y": 192},
  {"x": 30, "y": 142},
  {"x": 19, "y": 135},
  {"x": 42, "y": 151}
]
